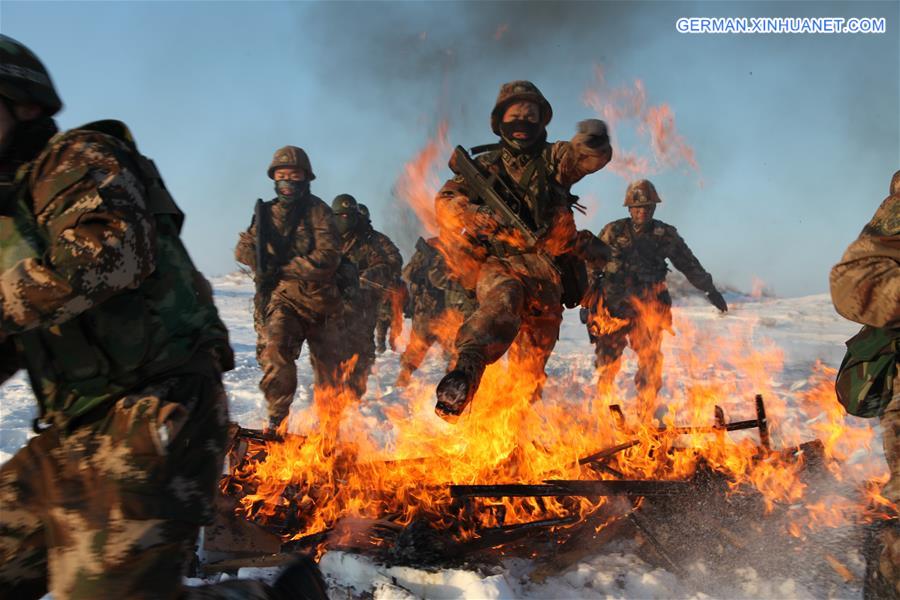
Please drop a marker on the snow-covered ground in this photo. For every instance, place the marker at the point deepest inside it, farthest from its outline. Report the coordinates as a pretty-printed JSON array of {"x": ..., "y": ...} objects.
[{"x": 806, "y": 329}]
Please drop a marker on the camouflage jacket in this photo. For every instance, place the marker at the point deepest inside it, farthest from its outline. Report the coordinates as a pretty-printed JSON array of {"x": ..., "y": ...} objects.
[
  {"x": 96, "y": 288},
  {"x": 395, "y": 265},
  {"x": 424, "y": 274},
  {"x": 543, "y": 181},
  {"x": 865, "y": 285},
  {"x": 638, "y": 259},
  {"x": 306, "y": 247},
  {"x": 390, "y": 251},
  {"x": 363, "y": 248}
]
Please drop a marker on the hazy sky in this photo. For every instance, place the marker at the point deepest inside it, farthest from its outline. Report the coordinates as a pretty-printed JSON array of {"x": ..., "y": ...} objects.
[{"x": 795, "y": 136}]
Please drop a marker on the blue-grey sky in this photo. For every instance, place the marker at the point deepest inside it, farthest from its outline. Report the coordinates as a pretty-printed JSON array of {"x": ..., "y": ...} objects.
[{"x": 796, "y": 136}]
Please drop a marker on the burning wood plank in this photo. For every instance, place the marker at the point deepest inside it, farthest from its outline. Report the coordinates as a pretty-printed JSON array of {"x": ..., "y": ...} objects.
[{"x": 573, "y": 487}]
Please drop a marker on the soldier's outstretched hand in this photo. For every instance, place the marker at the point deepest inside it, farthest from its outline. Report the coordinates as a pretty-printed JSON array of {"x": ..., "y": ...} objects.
[
  {"x": 716, "y": 299},
  {"x": 596, "y": 129}
]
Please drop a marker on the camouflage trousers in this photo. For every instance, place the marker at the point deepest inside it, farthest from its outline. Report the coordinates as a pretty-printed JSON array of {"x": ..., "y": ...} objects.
[
  {"x": 111, "y": 507},
  {"x": 350, "y": 354},
  {"x": 644, "y": 333},
  {"x": 280, "y": 337},
  {"x": 889, "y": 563},
  {"x": 421, "y": 339},
  {"x": 509, "y": 317}
]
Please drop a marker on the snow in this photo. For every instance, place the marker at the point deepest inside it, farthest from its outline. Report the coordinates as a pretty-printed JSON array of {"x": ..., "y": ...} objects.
[{"x": 806, "y": 329}]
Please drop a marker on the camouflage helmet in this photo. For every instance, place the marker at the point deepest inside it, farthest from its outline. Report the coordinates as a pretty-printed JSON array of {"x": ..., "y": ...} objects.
[
  {"x": 519, "y": 91},
  {"x": 895, "y": 184},
  {"x": 291, "y": 157},
  {"x": 344, "y": 204},
  {"x": 641, "y": 193},
  {"x": 23, "y": 78},
  {"x": 364, "y": 211}
]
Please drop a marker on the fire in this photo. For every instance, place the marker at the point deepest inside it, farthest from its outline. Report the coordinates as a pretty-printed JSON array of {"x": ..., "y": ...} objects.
[
  {"x": 656, "y": 124},
  {"x": 339, "y": 469},
  {"x": 419, "y": 183}
]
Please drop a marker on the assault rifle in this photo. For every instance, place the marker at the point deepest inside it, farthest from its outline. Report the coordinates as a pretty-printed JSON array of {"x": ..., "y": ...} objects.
[
  {"x": 260, "y": 217},
  {"x": 502, "y": 201}
]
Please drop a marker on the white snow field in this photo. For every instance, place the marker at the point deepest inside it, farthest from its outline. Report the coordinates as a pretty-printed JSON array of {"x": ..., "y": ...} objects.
[{"x": 806, "y": 329}]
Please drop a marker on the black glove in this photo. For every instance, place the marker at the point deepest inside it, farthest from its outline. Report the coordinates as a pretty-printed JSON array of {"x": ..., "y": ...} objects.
[
  {"x": 597, "y": 130},
  {"x": 716, "y": 299}
]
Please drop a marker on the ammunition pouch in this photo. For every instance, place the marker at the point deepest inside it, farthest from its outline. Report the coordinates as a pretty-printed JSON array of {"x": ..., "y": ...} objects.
[{"x": 864, "y": 382}]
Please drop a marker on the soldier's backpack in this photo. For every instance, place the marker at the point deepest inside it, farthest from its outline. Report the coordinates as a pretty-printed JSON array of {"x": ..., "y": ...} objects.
[{"x": 864, "y": 383}]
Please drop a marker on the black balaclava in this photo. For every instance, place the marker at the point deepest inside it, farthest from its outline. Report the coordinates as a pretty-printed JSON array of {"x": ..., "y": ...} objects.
[{"x": 301, "y": 189}]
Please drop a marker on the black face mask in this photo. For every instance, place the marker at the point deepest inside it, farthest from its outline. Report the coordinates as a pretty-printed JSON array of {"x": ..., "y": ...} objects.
[
  {"x": 346, "y": 222},
  {"x": 531, "y": 130},
  {"x": 299, "y": 188}
]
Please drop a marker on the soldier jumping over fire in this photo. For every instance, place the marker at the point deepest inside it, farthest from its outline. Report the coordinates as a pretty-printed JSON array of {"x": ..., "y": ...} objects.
[
  {"x": 509, "y": 250},
  {"x": 632, "y": 304},
  {"x": 293, "y": 247}
]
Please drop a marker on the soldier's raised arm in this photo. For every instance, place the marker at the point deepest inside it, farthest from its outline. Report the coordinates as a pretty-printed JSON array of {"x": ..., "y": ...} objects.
[
  {"x": 587, "y": 152},
  {"x": 99, "y": 236},
  {"x": 322, "y": 262},
  {"x": 865, "y": 285}
]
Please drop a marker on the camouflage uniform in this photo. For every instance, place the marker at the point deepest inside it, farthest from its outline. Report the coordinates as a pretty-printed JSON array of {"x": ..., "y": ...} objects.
[
  {"x": 299, "y": 291},
  {"x": 391, "y": 302},
  {"x": 636, "y": 273},
  {"x": 865, "y": 287},
  {"x": 518, "y": 292},
  {"x": 351, "y": 331},
  {"x": 432, "y": 292},
  {"x": 100, "y": 302}
]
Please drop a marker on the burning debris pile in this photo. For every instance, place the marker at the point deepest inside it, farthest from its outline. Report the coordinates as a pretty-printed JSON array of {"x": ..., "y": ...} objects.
[{"x": 543, "y": 480}]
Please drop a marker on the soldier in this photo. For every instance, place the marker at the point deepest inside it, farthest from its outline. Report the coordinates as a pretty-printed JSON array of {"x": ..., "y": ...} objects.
[
  {"x": 865, "y": 287},
  {"x": 518, "y": 287},
  {"x": 432, "y": 292},
  {"x": 298, "y": 289},
  {"x": 102, "y": 305},
  {"x": 391, "y": 302},
  {"x": 634, "y": 305},
  {"x": 352, "y": 332}
]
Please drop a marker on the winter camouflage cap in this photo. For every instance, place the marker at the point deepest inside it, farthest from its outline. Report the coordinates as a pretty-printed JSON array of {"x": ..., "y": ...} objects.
[
  {"x": 895, "y": 184},
  {"x": 364, "y": 211},
  {"x": 23, "y": 78},
  {"x": 344, "y": 204},
  {"x": 519, "y": 91},
  {"x": 641, "y": 193},
  {"x": 291, "y": 157}
]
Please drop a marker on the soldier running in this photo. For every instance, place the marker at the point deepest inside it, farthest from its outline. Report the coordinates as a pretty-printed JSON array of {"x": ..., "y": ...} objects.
[
  {"x": 518, "y": 285},
  {"x": 124, "y": 348},
  {"x": 633, "y": 305},
  {"x": 389, "y": 324},
  {"x": 433, "y": 292},
  {"x": 351, "y": 332},
  {"x": 865, "y": 287},
  {"x": 296, "y": 286}
]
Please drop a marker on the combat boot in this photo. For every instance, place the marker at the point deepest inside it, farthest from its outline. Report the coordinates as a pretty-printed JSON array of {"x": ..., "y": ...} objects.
[{"x": 458, "y": 387}]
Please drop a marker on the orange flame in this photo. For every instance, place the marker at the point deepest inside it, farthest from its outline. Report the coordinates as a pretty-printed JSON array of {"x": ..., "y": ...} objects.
[{"x": 655, "y": 124}]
